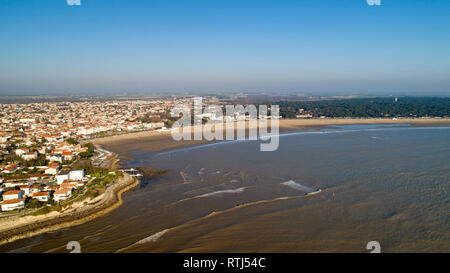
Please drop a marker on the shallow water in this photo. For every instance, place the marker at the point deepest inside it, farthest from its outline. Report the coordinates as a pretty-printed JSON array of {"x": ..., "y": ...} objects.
[{"x": 379, "y": 183}]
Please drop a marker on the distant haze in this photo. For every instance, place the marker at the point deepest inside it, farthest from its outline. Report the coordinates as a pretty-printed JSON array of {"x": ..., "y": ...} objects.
[{"x": 316, "y": 47}]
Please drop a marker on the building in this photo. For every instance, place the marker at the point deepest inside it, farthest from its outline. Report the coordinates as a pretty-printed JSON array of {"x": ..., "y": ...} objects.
[
  {"x": 30, "y": 156},
  {"x": 69, "y": 185},
  {"x": 67, "y": 155},
  {"x": 55, "y": 158},
  {"x": 61, "y": 176},
  {"x": 42, "y": 196},
  {"x": 26, "y": 190},
  {"x": 11, "y": 168},
  {"x": 52, "y": 188},
  {"x": 21, "y": 151},
  {"x": 305, "y": 116},
  {"x": 10, "y": 195},
  {"x": 12, "y": 204},
  {"x": 14, "y": 184},
  {"x": 62, "y": 194},
  {"x": 53, "y": 168},
  {"x": 76, "y": 174}
]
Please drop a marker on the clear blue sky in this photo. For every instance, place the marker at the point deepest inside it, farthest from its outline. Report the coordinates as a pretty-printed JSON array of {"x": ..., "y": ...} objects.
[{"x": 315, "y": 46}]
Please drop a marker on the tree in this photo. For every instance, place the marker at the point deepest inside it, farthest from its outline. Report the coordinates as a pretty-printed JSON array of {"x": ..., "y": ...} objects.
[
  {"x": 72, "y": 141},
  {"x": 86, "y": 154},
  {"x": 33, "y": 203},
  {"x": 89, "y": 152}
]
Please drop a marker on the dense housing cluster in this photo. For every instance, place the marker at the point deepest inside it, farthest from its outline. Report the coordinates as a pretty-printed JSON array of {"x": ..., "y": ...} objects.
[{"x": 39, "y": 142}]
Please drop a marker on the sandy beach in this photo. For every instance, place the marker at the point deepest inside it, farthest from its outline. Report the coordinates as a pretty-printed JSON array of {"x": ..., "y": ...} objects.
[{"x": 154, "y": 141}]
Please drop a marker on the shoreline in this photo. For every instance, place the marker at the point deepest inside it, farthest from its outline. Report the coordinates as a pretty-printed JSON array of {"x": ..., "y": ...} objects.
[
  {"x": 154, "y": 141},
  {"x": 99, "y": 206}
]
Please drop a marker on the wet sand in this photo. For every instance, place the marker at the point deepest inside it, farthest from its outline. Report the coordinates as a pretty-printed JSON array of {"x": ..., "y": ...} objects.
[{"x": 153, "y": 141}]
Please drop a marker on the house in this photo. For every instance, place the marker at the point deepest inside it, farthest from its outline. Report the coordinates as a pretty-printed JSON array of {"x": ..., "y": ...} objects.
[
  {"x": 154, "y": 125},
  {"x": 26, "y": 190},
  {"x": 16, "y": 194},
  {"x": 76, "y": 174},
  {"x": 54, "y": 138},
  {"x": 34, "y": 189},
  {"x": 12, "y": 204},
  {"x": 4, "y": 138},
  {"x": 62, "y": 194},
  {"x": 85, "y": 131},
  {"x": 54, "y": 158},
  {"x": 13, "y": 184},
  {"x": 69, "y": 185},
  {"x": 11, "y": 168},
  {"x": 305, "y": 116},
  {"x": 30, "y": 156},
  {"x": 42, "y": 196},
  {"x": 21, "y": 151},
  {"x": 52, "y": 188},
  {"x": 62, "y": 175},
  {"x": 53, "y": 168},
  {"x": 42, "y": 150},
  {"x": 67, "y": 155}
]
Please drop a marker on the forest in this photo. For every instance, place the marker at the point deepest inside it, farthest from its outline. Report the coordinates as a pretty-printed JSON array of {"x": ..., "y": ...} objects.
[{"x": 388, "y": 107}]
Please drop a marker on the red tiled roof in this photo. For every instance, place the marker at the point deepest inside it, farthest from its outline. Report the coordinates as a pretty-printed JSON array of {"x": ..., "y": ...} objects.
[
  {"x": 42, "y": 193},
  {"x": 12, "y": 192},
  {"x": 11, "y": 201},
  {"x": 63, "y": 191}
]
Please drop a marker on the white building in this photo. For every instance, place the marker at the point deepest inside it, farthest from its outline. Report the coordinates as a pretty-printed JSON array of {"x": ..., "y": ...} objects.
[
  {"x": 54, "y": 158},
  {"x": 85, "y": 131},
  {"x": 43, "y": 196},
  {"x": 29, "y": 156},
  {"x": 26, "y": 190},
  {"x": 10, "y": 195},
  {"x": 21, "y": 151},
  {"x": 4, "y": 138},
  {"x": 76, "y": 174},
  {"x": 62, "y": 176},
  {"x": 12, "y": 204},
  {"x": 62, "y": 194},
  {"x": 52, "y": 169}
]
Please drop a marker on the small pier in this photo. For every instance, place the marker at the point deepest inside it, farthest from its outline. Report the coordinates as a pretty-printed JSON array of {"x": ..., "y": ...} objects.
[{"x": 132, "y": 172}]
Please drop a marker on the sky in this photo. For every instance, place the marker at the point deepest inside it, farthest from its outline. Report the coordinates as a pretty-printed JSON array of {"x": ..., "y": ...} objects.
[{"x": 151, "y": 46}]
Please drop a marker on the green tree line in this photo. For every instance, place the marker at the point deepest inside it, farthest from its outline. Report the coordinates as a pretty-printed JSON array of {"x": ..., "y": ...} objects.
[{"x": 369, "y": 107}]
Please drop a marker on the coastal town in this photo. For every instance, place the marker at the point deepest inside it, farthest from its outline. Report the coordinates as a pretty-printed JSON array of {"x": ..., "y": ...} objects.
[
  {"x": 42, "y": 144},
  {"x": 46, "y": 157}
]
